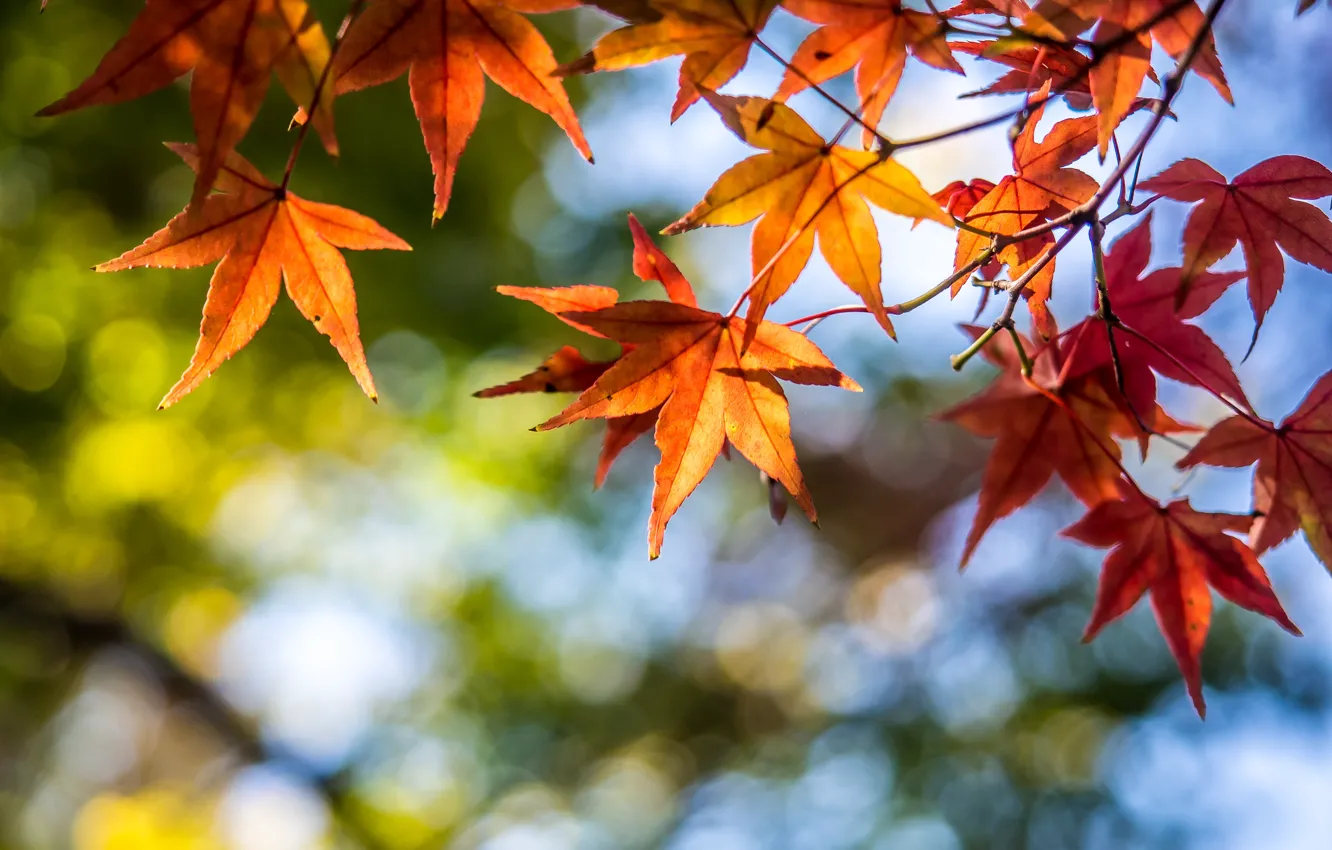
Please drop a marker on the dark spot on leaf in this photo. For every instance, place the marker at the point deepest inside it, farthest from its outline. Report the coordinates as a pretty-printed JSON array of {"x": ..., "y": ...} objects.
[
  {"x": 822, "y": 55},
  {"x": 765, "y": 116}
]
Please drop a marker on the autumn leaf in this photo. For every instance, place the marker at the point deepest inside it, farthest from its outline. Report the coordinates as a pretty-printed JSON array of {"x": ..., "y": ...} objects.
[
  {"x": 1041, "y": 180},
  {"x": 1177, "y": 555},
  {"x": 1130, "y": 26},
  {"x": 233, "y": 46},
  {"x": 872, "y": 36},
  {"x": 958, "y": 197},
  {"x": 689, "y": 364},
  {"x": 1043, "y": 426},
  {"x": 445, "y": 46},
  {"x": 1032, "y": 66},
  {"x": 1041, "y": 186},
  {"x": 1015, "y": 10},
  {"x": 1177, "y": 350},
  {"x": 799, "y": 187},
  {"x": 262, "y": 234},
  {"x": 1292, "y": 486},
  {"x": 714, "y": 37},
  {"x": 1258, "y": 211},
  {"x": 567, "y": 370}
]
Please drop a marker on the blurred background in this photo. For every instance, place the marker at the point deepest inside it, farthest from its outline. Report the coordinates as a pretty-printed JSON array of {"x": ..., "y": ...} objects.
[{"x": 280, "y": 617}]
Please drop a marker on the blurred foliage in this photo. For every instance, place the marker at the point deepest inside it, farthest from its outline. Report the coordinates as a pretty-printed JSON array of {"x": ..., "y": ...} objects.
[{"x": 277, "y": 616}]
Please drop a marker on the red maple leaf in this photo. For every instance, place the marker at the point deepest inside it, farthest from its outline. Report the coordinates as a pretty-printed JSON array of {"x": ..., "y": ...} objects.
[
  {"x": 1292, "y": 486},
  {"x": 1043, "y": 426},
  {"x": 1257, "y": 211},
  {"x": 1177, "y": 350},
  {"x": 1177, "y": 555}
]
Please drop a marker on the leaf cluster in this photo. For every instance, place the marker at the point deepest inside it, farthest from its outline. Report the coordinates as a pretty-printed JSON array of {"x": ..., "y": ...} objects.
[{"x": 705, "y": 381}]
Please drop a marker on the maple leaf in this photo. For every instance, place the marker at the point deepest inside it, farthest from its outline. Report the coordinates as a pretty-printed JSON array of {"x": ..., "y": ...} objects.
[
  {"x": 446, "y": 45},
  {"x": 1032, "y": 66},
  {"x": 262, "y": 233},
  {"x": 958, "y": 197},
  {"x": 688, "y": 364},
  {"x": 1178, "y": 350},
  {"x": 1041, "y": 186},
  {"x": 872, "y": 36},
  {"x": 1041, "y": 182},
  {"x": 1177, "y": 555},
  {"x": 802, "y": 186},
  {"x": 233, "y": 46},
  {"x": 1258, "y": 212},
  {"x": 714, "y": 36},
  {"x": 1032, "y": 25},
  {"x": 1117, "y": 76},
  {"x": 1292, "y": 486},
  {"x": 1043, "y": 426},
  {"x": 567, "y": 370},
  {"x": 1067, "y": 70}
]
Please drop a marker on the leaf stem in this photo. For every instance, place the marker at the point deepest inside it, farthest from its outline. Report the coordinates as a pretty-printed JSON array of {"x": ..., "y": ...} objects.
[
  {"x": 960, "y": 360},
  {"x": 1021, "y": 350}
]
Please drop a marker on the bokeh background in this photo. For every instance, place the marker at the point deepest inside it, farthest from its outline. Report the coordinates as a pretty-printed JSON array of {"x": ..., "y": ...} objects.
[{"x": 279, "y": 617}]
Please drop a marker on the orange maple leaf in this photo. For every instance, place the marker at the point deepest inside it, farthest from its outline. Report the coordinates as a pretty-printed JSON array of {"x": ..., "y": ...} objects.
[
  {"x": 714, "y": 36},
  {"x": 233, "y": 46},
  {"x": 1177, "y": 555},
  {"x": 688, "y": 365},
  {"x": 1292, "y": 486},
  {"x": 262, "y": 234},
  {"x": 872, "y": 36},
  {"x": 1041, "y": 182},
  {"x": 567, "y": 370},
  {"x": 446, "y": 45},
  {"x": 1044, "y": 425},
  {"x": 1117, "y": 76},
  {"x": 1042, "y": 186},
  {"x": 1259, "y": 212},
  {"x": 802, "y": 186}
]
